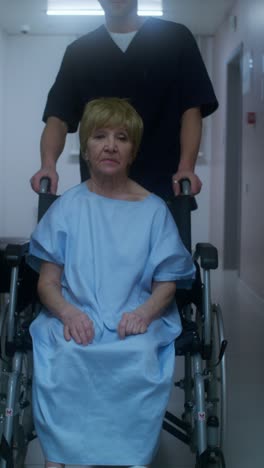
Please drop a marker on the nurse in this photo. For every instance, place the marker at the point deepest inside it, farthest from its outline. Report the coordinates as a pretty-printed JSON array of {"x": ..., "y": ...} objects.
[
  {"x": 110, "y": 260},
  {"x": 157, "y": 65}
]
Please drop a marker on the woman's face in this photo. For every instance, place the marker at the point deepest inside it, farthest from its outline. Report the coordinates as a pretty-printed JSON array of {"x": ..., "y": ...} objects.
[{"x": 109, "y": 151}]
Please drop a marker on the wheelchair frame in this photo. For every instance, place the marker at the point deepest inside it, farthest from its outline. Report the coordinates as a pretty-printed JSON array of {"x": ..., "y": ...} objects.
[
  {"x": 17, "y": 312},
  {"x": 202, "y": 344},
  {"x": 202, "y": 425}
]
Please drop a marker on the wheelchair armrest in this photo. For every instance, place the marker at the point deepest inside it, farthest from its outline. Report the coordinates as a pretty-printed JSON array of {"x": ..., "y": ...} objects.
[
  {"x": 14, "y": 250},
  {"x": 208, "y": 255}
]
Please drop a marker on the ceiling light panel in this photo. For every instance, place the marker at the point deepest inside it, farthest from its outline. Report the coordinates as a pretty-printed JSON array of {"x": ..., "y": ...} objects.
[{"x": 93, "y": 8}]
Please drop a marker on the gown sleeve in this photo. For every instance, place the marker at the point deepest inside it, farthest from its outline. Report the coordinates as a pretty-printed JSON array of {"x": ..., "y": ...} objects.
[
  {"x": 48, "y": 240},
  {"x": 169, "y": 259}
]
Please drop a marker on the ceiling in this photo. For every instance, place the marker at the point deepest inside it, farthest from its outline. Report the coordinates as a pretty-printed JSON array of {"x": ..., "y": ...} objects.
[{"x": 29, "y": 16}]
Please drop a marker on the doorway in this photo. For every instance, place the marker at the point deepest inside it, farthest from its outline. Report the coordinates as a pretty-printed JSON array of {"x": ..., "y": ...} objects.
[{"x": 232, "y": 216}]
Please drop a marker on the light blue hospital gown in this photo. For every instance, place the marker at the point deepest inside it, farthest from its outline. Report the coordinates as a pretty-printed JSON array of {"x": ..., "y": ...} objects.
[{"x": 104, "y": 403}]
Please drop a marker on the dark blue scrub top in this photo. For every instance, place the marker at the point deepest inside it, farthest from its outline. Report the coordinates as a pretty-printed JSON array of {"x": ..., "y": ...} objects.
[{"x": 161, "y": 73}]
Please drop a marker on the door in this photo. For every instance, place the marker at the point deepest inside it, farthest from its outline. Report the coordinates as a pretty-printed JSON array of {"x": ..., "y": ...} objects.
[{"x": 232, "y": 217}]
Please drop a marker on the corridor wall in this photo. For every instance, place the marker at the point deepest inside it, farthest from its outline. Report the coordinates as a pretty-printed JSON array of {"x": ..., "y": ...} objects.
[
  {"x": 2, "y": 65},
  {"x": 244, "y": 26}
]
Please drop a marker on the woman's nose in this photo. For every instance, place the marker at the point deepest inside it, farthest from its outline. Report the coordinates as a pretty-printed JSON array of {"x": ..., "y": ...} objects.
[{"x": 111, "y": 143}]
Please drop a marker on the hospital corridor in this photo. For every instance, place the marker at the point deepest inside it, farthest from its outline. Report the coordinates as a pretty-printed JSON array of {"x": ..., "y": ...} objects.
[{"x": 227, "y": 228}]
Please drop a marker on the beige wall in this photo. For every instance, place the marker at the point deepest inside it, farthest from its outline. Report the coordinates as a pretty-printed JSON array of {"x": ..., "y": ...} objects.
[
  {"x": 2, "y": 65},
  {"x": 31, "y": 63},
  {"x": 249, "y": 32}
]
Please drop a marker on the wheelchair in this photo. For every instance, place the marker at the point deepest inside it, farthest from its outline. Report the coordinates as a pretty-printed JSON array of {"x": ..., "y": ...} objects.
[
  {"x": 202, "y": 425},
  {"x": 18, "y": 307},
  {"x": 202, "y": 346}
]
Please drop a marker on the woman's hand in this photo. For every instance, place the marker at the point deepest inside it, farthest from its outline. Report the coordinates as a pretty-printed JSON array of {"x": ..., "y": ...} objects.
[
  {"x": 131, "y": 323},
  {"x": 78, "y": 326},
  {"x": 136, "y": 322}
]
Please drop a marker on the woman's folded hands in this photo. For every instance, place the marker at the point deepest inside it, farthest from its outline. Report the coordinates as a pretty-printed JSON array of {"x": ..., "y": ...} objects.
[
  {"x": 132, "y": 323},
  {"x": 138, "y": 320}
]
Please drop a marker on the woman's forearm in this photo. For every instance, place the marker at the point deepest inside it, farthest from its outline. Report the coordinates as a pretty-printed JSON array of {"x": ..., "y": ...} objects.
[
  {"x": 49, "y": 290},
  {"x": 76, "y": 324},
  {"x": 162, "y": 295}
]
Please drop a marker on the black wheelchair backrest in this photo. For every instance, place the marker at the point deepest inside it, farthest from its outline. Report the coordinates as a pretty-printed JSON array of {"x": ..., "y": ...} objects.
[
  {"x": 45, "y": 198},
  {"x": 181, "y": 208}
]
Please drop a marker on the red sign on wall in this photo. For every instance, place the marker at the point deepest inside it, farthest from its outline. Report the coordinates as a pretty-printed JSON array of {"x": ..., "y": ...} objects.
[{"x": 251, "y": 118}]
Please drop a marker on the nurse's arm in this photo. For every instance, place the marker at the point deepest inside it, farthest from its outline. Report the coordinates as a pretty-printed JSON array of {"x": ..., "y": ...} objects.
[
  {"x": 190, "y": 138},
  {"x": 51, "y": 146},
  {"x": 77, "y": 325}
]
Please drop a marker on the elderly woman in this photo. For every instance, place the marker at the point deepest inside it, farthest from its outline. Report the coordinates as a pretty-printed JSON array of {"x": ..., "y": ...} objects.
[{"x": 104, "y": 341}]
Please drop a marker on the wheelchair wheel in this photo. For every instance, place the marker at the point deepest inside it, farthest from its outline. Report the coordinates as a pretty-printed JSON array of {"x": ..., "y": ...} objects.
[
  {"x": 211, "y": 459},
  {"x": 17, "y": 431},
  {"x": 216, "y": 397},
  {"x": 23, "y": 428}
]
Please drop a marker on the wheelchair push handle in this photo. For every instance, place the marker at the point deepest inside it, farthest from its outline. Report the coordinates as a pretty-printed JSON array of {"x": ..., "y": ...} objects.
[
  {"x": 44, "y": 185},
  {"x": 181, "y": 207},
  {"x": 185, "y": 185}
]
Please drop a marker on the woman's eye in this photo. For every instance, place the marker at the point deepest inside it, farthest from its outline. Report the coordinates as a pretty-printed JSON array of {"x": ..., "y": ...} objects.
[
  {"x": 122, "y": 137},
  {"x": 99, "y": 136}
]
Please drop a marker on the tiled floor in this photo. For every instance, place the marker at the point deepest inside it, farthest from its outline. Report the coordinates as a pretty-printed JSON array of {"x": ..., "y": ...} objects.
[{"x": 244, "y": 324}]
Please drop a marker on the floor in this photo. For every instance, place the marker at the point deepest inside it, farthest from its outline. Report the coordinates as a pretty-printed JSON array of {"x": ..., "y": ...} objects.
[{"x": 244, "y": 325}]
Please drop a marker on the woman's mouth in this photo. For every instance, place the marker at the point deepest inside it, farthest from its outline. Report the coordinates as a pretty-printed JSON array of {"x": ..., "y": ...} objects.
[{"x": 110, "y": 161}]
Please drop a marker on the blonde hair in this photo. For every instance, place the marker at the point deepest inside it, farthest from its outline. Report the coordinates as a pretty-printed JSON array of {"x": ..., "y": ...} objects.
[{"x": 110, "y": 112}]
